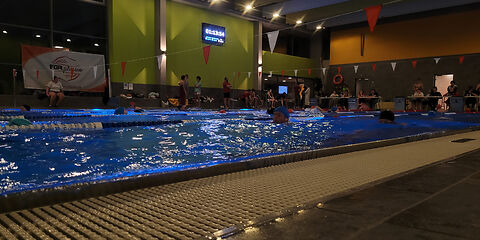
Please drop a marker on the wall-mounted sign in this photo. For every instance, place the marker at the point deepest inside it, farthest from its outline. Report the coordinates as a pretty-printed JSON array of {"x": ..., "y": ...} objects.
[{"x": 213, "y": 34}]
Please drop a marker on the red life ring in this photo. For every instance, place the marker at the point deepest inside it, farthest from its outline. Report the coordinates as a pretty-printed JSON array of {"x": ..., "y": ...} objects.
[{"x": 337, "y": 79}]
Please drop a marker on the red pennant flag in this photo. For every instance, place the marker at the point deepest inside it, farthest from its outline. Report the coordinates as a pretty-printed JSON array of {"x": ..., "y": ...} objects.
[
  {"x": 14, "y": 72},
  {"x": 414, "y": 63},
  {"x": 238, "y": 74},
  {"x": 206, "y": 53},
  {"x": 37, "y": 74},
  {"x": 309, "y": 71},
  {"x": 283, "y": 73},
  {"x": 374, "y": 66},
  {"x": 339, "y": 69},
  {"x": 124, "y": 64},
  {"x": 259, "y": 74},
  {"x": 71, "y": 73},
  {"x": 460, "y": 59},
  {"x": 372, "y": 15}
]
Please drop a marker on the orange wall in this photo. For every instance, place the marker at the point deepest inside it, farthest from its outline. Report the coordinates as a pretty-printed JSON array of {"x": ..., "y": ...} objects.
[{"x": 450, "y": 34}]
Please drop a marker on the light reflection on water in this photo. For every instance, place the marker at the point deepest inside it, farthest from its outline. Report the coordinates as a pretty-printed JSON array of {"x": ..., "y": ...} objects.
[{"x": 52, "y": 158}]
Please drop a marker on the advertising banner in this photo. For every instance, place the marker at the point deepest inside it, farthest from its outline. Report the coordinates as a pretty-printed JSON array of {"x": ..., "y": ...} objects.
[{"x": 77, "y": 71}]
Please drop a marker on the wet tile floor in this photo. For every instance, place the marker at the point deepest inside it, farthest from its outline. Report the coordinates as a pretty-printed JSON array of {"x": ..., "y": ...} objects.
[{"x": 437, "y": 202}]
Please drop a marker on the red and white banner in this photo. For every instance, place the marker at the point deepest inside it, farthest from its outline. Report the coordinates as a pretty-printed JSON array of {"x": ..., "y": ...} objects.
[{"x": 77, "y": 71}]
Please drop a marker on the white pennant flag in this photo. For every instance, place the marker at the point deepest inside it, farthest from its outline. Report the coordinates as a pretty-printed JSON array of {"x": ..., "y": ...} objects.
[
  {"x": 324, "y": 70},
  {"x": 249, "y": 73},
  {"x": 24, "y": 73},
  {"x": 355, "y": 68},
  {"x": 271, "y": 74},
  {"x": 295, "y": 71},
  {"x": 436, "y": 60},
  {"x": 394, "y": 65},
  {"x": 159, "y": 62},
  {"x": 95, "y": 68},
  {"x": 53, "y": 73},
  {"x": 272, "y": 39}
]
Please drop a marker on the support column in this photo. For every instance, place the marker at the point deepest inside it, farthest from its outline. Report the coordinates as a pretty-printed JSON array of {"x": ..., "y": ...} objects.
[
  {"x": 161, "y": 39},
  {"x": 257, "y": 55}
]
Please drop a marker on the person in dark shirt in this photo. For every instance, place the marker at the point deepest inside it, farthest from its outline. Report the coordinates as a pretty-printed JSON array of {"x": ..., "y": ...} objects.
[
  {"x": 434, "y": 95},
  {"x": 451, "y": 91},
  {"x": 470, "y": 99}
]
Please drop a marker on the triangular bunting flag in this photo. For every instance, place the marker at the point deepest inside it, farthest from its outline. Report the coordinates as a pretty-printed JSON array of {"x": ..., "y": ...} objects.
[
  {"x": 355, "y": 68},
  {"x": 339, "y": 70},
  {"x": 249, "y": 73},
  {"x": 238, "y": 74},
  {"x": 159, "y": 62},
  {"x": 414, "y": 63},
  {"x": 324, "y": 70},
  {"x": 374, "y": 66},
  {"x": 372, "y": 15},
  {"x": 24, "y": 73},
  {"x": 95, "y": 68},
  {"x": 436, "y": 60},
  {"x": 14, "y": 73},
  {"x": 309, "y": 71},
  {"x": 272, "y": 39},
  {"x": 460, "y": 59},
  {"x": 71, "y": 73},
  {"x": 283, "y": 73},
  {"x": 394, "y": 65},
  {"x": 260, "y": 74},
  {"x": 124, "y": 64},
  {"x": 271, "y": 74},
  {"x": 38, "y": 72},
  {"x": 295, "y": 71},
  {"x": 206, "y": 53}
]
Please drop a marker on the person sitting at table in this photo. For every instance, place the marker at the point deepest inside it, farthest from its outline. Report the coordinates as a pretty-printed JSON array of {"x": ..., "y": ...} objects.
[
  {"x": 374, "y": 96},
  {"x": 417, "y": 99},
  {"x": 434, "y": 95},
  {"x": 344, "y": 100},
  {"x": 470, "y": 99},
  {"x": 452, "y": 90},
  {"x": 334, "y": 100},
  {"x": 54, "y": 92}
]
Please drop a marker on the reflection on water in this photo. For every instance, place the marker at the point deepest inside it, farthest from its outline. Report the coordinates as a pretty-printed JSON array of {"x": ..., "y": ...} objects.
[{"x": 37, "y": 159}]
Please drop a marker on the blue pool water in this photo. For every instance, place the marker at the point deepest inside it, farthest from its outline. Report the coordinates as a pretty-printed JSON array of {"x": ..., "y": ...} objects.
[{"x": 49, "y": 158}]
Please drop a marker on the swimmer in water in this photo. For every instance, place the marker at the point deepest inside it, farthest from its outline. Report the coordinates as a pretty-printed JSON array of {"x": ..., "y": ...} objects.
[
  {"x": 281, "y": 115},
  {"x": 387, "y": 116}
]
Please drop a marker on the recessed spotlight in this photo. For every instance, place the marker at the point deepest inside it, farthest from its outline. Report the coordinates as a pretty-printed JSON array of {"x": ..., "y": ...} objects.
[
  {"x": 69, "y": 40},
  {"x": 289, "y": 77},
  {"x": 299, "y": 21},
  {"x": 266, "y": 79},
  {"x": 96, "y": 45},
  {"x": 284, "y": 81},
  {"x": 38, "y": 36},
  {"x": 248, "y": 7},
  {"x": 5, "y": 31},
  {"x": 275, "y": 15}
]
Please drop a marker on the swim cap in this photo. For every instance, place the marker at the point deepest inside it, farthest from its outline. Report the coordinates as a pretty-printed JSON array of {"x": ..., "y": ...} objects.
[{"x": 283, "y": 110}]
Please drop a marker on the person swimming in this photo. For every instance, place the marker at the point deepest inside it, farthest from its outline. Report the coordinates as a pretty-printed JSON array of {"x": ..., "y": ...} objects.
[
  {"x": 386, "y": 116},
  {"x": 281, "y": 115}
]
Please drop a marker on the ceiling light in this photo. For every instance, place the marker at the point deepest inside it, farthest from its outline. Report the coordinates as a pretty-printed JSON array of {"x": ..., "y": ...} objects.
[
  {"x": 38, "y": 36},
  {"x": 299, "y": 21},
  {"x": 289, "y": 77},
  {"x": 4, "y": 31},
  {"x": 59, "y": 47},
  {"x": 248, "y": 7},
  {"x": 284, "y": 81},
  {"x": 275, "y": 15},
  {"x": 266, "y": 79},
  {"x": 320, "y": 27},
  {"x": 69, "y": 40},
  {"x": 96, "y": 45}
]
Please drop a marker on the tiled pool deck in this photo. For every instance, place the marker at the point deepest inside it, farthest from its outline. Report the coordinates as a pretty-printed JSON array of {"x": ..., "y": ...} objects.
[{"x": 229, "y": 203}]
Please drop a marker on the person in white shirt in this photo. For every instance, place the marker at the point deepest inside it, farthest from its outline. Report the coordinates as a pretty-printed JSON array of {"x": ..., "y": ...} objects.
[{"x": 55, "y": 92}]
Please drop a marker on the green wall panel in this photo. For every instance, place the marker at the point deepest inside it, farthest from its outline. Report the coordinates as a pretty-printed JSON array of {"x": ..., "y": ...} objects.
[
  {"x": 185, "y": 53},
  {"x": 132, "y": 40},
  {"x": 277, "y": 62}
]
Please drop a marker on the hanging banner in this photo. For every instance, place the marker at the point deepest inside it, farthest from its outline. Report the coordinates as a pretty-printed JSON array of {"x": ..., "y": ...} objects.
[
  {"x": 394, "y": 65},
  {"x": 436, "y": 60},
  {"x": 271, "y": 74},
  {"x": 414, "y": 64},
  {"x": 295, "y": 71},
  {"x": 249, "y": 73},
  {"x": 460, "y": 59},
  {"x": 124, "y": 65},
  {"x": 272, "y": 39},
  {"x": 95, "y": 69},
  {"x": 206, "y": 53},
  {"x": 372, "y": 15},
  {"x": 355, "y": 68},
  {"x": 324, "y": 70},
  {"x": 39, "y": 63}
]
